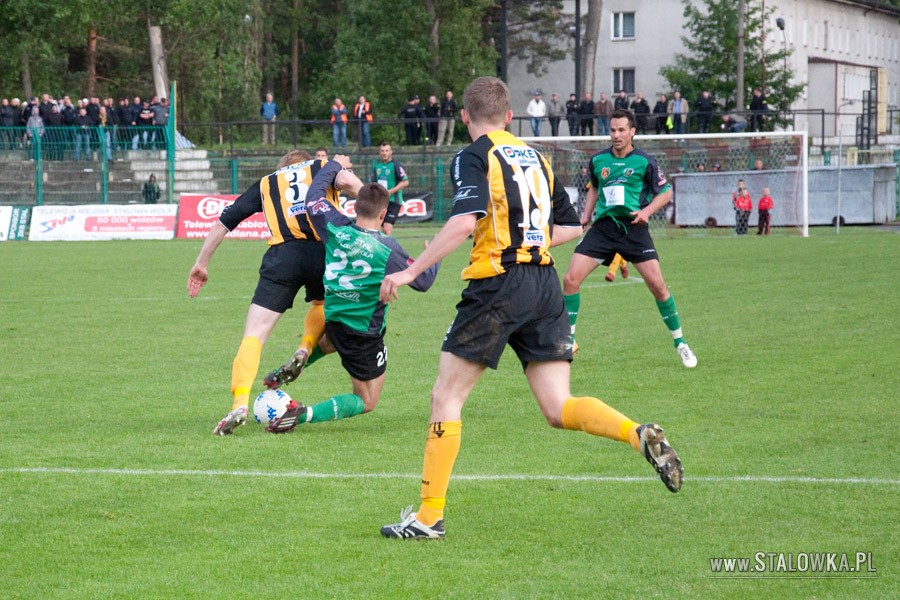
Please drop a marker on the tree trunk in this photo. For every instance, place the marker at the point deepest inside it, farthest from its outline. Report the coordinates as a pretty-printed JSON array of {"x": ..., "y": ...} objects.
[
  {"x": 434, "y": 35},
  {"x": 740, "y": 57},
  {"x": 295, "y": 64},
  {"x": 90, "y": 86},
  {"x": 158, "y": 63},
  {"x": 589, "y": 47},
  {"x": 26, "y": 75}
]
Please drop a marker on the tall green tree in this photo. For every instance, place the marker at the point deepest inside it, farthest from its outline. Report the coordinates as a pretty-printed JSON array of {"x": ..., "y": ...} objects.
[{"x": 710, "y": 60}]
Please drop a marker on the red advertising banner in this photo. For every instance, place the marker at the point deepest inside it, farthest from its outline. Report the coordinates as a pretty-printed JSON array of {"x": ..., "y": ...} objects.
[{"x": 198, "y": 213}]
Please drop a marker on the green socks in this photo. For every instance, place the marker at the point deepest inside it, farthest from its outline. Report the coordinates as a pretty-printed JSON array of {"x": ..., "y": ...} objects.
[
  {"x": 573, "y": 302},
  {"x": 334, "y": 409},
  {"x": 670, "y": 318}
]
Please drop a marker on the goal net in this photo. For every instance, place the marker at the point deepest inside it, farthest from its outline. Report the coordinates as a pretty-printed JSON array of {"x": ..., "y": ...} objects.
[{"x": 704, "y": 170}]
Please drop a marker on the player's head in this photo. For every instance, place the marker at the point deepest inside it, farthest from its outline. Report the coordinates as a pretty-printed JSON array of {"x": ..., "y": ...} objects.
[
  {"x": 371, "y": 200},
  {"x": 621, "y": 129},
  {"x": 321, "y": 153},
  {"x": 486, "y": 102},
  {"x": 293, "y": 157},
  {"x": 386, "y": 151}
]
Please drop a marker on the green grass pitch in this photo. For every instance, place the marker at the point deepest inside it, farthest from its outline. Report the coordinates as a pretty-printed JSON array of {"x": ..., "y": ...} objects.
[{"x": 111, "y": 485}]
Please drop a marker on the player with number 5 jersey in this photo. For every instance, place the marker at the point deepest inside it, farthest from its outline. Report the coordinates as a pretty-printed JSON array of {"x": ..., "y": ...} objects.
[{"x": 357, "y": 258}]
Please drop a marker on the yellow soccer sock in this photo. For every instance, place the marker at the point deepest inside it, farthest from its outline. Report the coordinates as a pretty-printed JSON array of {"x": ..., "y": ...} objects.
[
  {"x": 614, "y": 265},
  {"x": 596, "y": 418},
  {"x": 441, "y": 449},
  {"x": 313, "y": 327},
  {"x": 243, "y": 370}
]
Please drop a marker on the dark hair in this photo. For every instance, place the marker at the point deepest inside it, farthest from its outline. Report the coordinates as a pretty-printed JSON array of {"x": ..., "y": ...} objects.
[
  {"x": 371, "y": 200},
  {"x": 623, "y": 113}
]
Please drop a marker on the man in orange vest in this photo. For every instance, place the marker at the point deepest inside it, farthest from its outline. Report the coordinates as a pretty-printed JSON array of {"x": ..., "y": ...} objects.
[
  {"x": 339, "y": 123},
  {"x": 362, "y": 112}
]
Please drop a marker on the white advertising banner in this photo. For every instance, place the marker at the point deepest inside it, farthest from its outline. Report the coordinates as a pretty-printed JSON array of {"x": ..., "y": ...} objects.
[
  {"x": 103, "y": 222},
  {"x": 5, "y": 219}
]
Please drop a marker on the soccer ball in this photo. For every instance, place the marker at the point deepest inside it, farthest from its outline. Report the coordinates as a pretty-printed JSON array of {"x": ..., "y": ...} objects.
[{"x": 271, "y": 404}]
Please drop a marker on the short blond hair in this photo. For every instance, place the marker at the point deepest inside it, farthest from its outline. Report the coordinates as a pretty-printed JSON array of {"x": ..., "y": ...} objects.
[
  {"x": 486, "y": 100},
  {"x": 293, "y": 157}
]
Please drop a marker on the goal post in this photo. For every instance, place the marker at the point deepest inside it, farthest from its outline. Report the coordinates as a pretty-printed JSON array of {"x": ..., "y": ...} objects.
[{"x": 704, "y": 170}]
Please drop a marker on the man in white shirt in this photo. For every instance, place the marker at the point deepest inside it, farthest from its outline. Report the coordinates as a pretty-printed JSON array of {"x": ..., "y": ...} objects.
[{"x": 537, "y": 110}]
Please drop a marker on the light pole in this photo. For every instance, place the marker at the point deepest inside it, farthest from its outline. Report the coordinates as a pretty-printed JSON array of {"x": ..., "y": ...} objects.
[
  {"x": 837, "y": 220},
  {"x": 780, "y": 23}
]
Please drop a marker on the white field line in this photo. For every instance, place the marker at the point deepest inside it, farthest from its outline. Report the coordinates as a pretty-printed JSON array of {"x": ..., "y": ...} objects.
[{"x": 499, "y": 477}]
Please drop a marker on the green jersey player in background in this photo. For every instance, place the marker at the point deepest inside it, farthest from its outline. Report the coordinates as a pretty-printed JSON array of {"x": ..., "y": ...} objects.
[
  {"x": 391, "y": 176},
  {"x": 630, "y": 187},
  {"x": 357, "y": 257}
]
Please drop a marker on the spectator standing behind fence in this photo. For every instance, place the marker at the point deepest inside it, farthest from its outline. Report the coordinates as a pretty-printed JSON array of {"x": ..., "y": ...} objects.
[
  {"x": 449, "y": 108},
  {"x": 432, "y": 115},
  {"x": 705, "y": 107},
  {"x": 603, "y": 108},
  {"x": 621, "y": 101},
  {"x": 734, "y": 123},
  {"x": 9, "y": 118},
  {"x": 572, "y": 115},
  {"x": 161, "y": 118},
  {"x": 586, "y": 115},
  {"x": 678, "y": 110},
  {"x": 759, "y": 107},
  {"x": 103, "y": 132},
  {"x": 144, "y": 136},
  {"x": 151, "y": 190},
  {"x": 555, "y": 112},
  {"x": 269, "y": 112},
  {"x": 34, "y": 130},
  {"x": 641, "y": 108},
  {"x": 362, "y": 114},
  {"x": 338, "y": 124},
  {"x": 537, "y": 110},
  {"x": 743, "y": 206},
  {"x": 412, "y": 120},
  {"x": 765, "y": 205},
  {"x": 661, "y": 110},
  {"x": 82, "y": 135}
]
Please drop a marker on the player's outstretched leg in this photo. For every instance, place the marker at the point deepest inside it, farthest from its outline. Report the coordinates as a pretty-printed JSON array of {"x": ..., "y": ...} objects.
[
  {"x": 409, "y": 528},
  {"x": 287, "y": 372},
  {"x": 656, "y": 449},
  {"x": 233, "y": 419}
]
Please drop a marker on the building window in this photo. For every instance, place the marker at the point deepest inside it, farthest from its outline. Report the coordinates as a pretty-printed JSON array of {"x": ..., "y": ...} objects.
[
  {"x": 623, "y": 26},
  {"x": 623, "y": 79}
]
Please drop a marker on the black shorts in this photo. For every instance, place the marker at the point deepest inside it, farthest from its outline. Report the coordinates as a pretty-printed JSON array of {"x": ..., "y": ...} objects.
[
  {"x": 364, "y": 357},
  {"x": 392, "y": 213},
  {"x": 285, "y": 269},
  {"x": 523, "y": 308},
  {"x": 606, "y": 238}
]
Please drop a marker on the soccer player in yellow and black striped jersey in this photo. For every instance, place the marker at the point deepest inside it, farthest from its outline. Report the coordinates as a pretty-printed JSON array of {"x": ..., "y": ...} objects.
[
  {"x": 295, "y": 259},
  {"x": 507, "y": 194}
]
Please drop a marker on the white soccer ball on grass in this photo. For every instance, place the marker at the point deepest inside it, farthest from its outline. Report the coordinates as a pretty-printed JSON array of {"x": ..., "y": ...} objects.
[{"x": 271, "y": 404}]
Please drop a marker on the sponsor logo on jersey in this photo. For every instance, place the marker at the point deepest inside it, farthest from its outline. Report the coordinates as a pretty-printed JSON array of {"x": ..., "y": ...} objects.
[
  {"x": 351, "y": 296},
  {"x": 534, "y": 237},
  {"x": 604, "y": 172},
  {"x": 297, "y": 210},
  {"x": 521, "y": 155},
  {"x": 629, "y": 172},
  {"x": 319, "y": 206}
]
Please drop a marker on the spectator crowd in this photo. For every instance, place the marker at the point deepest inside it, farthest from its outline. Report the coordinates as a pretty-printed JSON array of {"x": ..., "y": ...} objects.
[{"x": 62, "y": 129}]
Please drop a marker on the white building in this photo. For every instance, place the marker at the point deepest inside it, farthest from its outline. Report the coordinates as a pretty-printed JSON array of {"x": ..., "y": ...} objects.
[{"x": 836, "y": 46}]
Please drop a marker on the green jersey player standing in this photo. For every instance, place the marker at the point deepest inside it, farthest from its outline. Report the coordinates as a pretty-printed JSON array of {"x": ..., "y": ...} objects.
[
  {"x": 630, "y": 187},
  {"x": 391, "y": 176},
  {"x": 357, "y": 257}
]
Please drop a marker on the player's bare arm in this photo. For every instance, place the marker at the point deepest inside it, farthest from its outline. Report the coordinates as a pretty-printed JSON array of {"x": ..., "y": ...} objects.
[
  {"x": 642, "y": 216},
  {"x": 561, "y": 235},
  {"x": 199, "y": 274},
  {"x": 451, "y": 235},
  {"x": 590, "y": 201}
]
